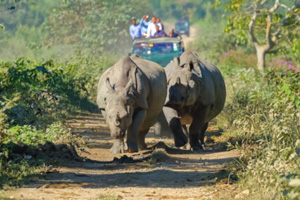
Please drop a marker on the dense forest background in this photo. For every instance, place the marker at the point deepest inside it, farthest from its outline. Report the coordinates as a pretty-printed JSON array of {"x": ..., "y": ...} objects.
[{"x": 44, "y": 29}]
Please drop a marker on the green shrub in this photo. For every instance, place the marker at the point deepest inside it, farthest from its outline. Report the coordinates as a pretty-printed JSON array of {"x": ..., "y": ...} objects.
[
  {"x": 264, "y": 111},
  {"x": 35, "y": 98}
]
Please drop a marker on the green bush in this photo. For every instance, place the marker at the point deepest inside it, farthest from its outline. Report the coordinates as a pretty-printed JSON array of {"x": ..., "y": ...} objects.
[
  {"x": 262, "y": 114},
  {"x": 35, "y": 98}
]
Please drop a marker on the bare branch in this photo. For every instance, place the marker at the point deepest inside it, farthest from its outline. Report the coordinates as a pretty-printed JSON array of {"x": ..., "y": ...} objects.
[
  {"x": 275, "y": 7},
  {"x": 251, "y": 25},
  {"x": 270, "y": 42},
  {"x": 283, "y": 20}
]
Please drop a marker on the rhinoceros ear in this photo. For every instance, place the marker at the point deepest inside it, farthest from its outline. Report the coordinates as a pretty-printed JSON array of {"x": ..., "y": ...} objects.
[
  {"x": 191, "y": 66},
  {"x": 109, "y": 87}
]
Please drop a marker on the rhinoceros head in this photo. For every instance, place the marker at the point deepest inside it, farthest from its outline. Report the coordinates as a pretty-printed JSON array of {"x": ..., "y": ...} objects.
[
  {"x": 183, "y": 85},
  {"x": 119, "y": 108}
]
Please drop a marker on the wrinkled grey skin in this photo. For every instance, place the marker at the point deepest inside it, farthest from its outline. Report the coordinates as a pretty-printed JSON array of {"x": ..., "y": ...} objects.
[
  {"x": 196, "y": 94},
  {"x": 131, "y": 95}
]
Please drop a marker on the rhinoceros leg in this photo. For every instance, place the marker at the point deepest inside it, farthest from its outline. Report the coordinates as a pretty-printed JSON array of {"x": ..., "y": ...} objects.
[
  {"x": 161, "y": 127},
  {"x": 202, "y": 133},
  {"x": 185, "y": 129},
  {"x": 174, "y": 123},
  {"x": 196, "y": 128},
  {"x": 118, "y": 146},
  {"x": 133, "y": 130},
  {"x": 141, "y": 139}
]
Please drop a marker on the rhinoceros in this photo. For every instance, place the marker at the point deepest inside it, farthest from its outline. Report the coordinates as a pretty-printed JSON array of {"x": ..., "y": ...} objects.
[
  {"x": 131, "y": 95},
  {"x": 196, "y": 95}
]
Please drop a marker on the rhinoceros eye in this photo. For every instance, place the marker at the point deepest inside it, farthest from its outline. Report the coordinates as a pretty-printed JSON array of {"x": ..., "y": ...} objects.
[{"x": 182, "y": 98}]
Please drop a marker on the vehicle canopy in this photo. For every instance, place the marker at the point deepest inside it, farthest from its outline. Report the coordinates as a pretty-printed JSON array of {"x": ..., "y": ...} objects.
[{"x": 160, "y": 50}]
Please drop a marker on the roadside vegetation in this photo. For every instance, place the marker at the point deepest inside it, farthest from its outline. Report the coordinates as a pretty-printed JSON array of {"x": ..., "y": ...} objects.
[
  {"x": 57, "y": 80},
  {"x": 36, "y": 100},
  {"x": 261, "y": 115},
  {"x": 261, "y": 118}
]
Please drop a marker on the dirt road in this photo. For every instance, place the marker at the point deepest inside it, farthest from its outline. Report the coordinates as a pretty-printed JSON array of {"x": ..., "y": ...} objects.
[{"x": 162, "y": 172}]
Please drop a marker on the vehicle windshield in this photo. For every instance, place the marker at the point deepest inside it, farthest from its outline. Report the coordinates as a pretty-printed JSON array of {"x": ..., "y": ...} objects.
[
  {"x": 164, "y": 47},
  {"x": 140, "y": 48},
  {"x": 156, "y": 48}
]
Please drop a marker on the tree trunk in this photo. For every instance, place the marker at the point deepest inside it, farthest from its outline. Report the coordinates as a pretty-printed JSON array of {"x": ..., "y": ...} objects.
[{"x": 261, "y": 57}]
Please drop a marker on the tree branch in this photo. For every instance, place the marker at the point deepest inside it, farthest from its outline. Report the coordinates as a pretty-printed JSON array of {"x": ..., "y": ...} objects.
[
  {"x": 283, "y": 20},
  {"x": 251, "y": 25},
  {"x": 270, "y": 42}
]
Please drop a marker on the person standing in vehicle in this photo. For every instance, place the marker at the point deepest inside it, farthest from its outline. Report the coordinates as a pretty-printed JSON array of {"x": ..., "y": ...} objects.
[
  {"x": 135, "y": 30},
  {"x": 151, "y": 28},
  {"x": 158, "y": 22},
  {"x": 159, "y": 33},
  {"x": 172, "y": 33},
  {"x": 144, "y": 23}
]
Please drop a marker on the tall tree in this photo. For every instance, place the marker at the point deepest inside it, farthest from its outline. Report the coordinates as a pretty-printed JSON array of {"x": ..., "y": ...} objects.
[{"x": 271, "y": 24}]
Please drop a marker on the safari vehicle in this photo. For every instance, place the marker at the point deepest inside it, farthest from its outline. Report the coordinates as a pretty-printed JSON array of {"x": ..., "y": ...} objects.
[
  {"x": 182, "y": 27},
  {"x": 160, "y": 50}
]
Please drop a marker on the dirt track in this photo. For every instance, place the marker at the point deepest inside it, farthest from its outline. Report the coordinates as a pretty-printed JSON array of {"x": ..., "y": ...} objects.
[
  {"x": 162, "y": 172},
  {"x": 168, "y": 173}
]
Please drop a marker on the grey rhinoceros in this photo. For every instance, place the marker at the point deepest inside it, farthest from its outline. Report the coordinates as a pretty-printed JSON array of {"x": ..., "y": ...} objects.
[
  {"x": 131, "y": 95},
  {"x": 196, "y": 94}
]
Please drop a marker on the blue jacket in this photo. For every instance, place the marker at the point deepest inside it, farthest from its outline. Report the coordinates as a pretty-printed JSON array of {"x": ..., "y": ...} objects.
[
  {"x": 160, "y": 34},
  {"x": 144, "y": 26},
  {"x": 135, "y": 31}
]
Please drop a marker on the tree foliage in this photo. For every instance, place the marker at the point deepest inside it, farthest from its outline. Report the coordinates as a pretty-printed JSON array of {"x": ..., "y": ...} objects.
[
  {"x": 271, "y": 25},
  {"x": 95, "y": 25},
  {"x": 194, "y": 9}
]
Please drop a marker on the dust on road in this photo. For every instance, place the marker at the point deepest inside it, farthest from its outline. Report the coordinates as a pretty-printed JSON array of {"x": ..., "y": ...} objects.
[{"x": 161, "y": 172}]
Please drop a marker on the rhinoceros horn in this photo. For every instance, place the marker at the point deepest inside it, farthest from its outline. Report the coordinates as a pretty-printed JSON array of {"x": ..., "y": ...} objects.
[
  {"x": 178, "y": 81},
  {"x": 109, "y": 87}
]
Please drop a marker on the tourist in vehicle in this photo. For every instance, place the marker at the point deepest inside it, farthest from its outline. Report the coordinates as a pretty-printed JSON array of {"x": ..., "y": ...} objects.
[
  {"x": 172, "y": 33},
  {"x": 159, "y": 33},
  {"x": 144, "y": 23},
  {"x": 158, "y": 22},
  {"x": 135, "y": 30},
  {"x": 151, "y": 28}
]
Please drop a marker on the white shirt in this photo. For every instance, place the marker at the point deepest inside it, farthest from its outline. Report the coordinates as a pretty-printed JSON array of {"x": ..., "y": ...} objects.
[
  {"x": 151, "y": 30},
  {"x": 160, "y": 26}
]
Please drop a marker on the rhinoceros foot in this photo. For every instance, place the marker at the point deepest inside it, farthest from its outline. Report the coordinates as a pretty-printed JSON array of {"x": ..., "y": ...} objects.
[
  {"x": 195, "y": 144},
  {"x": 180, "y": 140},
  {"x": 196, "y": 148},
  {"x": 118, "y": 146},
  {"x": 132, "y": 147},
  {"x": 142, "y": 146}
]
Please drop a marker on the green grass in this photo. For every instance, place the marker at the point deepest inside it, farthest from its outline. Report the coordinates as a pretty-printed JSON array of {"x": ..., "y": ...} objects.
[{"x": 261, "y": 118}]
